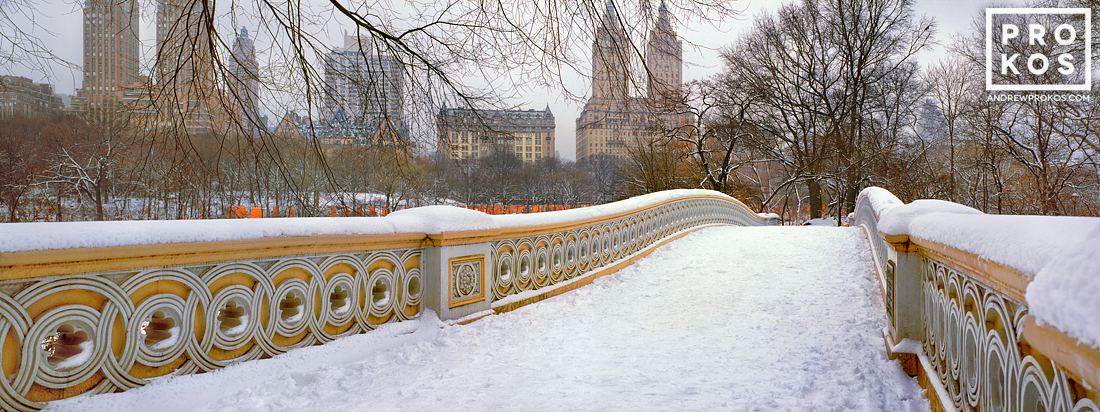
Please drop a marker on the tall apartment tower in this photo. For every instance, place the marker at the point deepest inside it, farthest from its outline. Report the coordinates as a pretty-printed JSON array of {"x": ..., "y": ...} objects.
[
  {"x": 244, "y": 81},
  {"x": 611, "y": 58},
  {"x": 185, "y": 91},
  {"x": 664, "y": 59},
  {"x": 612, "y": 120},
  {"x": 111, "y": 53},
  {"x": 364, "y": 86}
]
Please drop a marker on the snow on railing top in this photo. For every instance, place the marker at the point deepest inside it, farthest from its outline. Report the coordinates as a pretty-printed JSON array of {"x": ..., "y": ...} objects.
[
  {"x": 608, "y": 209},
  {"x": 900, "y": 219},
  {"x": 430, "y": 220},
  {"x": 1061, "y": 255},
  {"x": 880, "y": 199},
  {"x": 1064, "y": 292},
  {"x": 24, "y": 237}
]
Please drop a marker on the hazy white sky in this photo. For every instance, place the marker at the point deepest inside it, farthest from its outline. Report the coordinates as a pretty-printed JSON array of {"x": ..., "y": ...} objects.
[{"x": 702, "y": 44}]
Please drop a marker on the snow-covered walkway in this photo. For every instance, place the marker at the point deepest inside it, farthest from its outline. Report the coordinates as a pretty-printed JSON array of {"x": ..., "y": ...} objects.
[{"x": 725, "y": 318}]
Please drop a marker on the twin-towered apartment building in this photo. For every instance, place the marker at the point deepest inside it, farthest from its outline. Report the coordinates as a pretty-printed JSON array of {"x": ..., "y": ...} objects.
[{"x": 613, "y": 119}]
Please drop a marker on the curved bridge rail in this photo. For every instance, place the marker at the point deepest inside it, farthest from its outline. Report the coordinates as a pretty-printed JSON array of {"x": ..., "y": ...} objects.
[
  {"x": 109, "y": 318},
  {"x": 535, "y": 261},
  {"x": 961, "y": 323}
]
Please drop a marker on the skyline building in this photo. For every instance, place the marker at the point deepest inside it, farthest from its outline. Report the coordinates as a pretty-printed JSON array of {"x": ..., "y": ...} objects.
[
  {"x": 664, "y": 60},
  {"x": 244, "y": 82},
  {"x": 364, "y": 87},
  {"x": 185, "y": 88},
  {"x": 612, "y": 119},
  {"x": 111, "y": 54},
  {"x": 611, "y": 53},
  {"x": 466, "y": 134},
  {"x": 20, "y": 96}
]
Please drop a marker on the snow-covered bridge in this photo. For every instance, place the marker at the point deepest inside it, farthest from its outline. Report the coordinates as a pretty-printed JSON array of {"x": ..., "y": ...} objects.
[
  {"x": 713, "y": 320},
  {"x": 676, "y": 300}
]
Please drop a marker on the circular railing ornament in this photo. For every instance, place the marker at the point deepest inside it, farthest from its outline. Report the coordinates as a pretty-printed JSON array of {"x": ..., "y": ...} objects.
[
  {"x": 542, "y": 262},
  {"x": 162, "y": 328},
  {"x": 557, "y": 262},
  {"x": 524, "y": 270},
  {"x": 66, "y": 346},
  {"x": 292, "y": 309},
  {"x": 381, "y": 297},
  {"x": 341, "y": 296},
  {"x": 414, "y": 287},
  {"x": 232, "y": 318}
]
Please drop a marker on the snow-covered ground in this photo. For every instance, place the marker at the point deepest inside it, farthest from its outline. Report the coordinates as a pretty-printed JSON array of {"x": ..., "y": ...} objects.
[{"x": 725, "y": 318}]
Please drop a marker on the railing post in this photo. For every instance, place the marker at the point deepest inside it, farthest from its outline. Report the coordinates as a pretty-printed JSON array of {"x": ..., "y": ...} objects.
[
  {"x": 908, "y": 305},
  {"x": 904, "y": 303},
  {"x": 458, "y": 279}
]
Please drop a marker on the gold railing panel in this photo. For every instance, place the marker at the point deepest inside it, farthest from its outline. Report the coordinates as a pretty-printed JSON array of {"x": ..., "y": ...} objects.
[{"x": 110, "y": 331}]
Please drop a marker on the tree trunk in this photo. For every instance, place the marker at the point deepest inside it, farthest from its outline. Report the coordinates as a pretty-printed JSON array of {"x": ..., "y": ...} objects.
[
  {"x": 98, "y": 203},
  {"x": 851, "y": 191},
  {"x": 951, "y": 166},
  {"x": 1049, "y": 203},
  {"x": 814, "y": 189},
  {"x": 13, "y": 203},
  {"x": 58, "y": 204}
]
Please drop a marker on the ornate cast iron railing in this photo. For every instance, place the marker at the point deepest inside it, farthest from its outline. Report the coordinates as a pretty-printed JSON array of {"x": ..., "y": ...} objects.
[
  {"x": 535, "y": 261},
  {"x": 960, "y": 323},
  {"x": 106, "y": 319}
]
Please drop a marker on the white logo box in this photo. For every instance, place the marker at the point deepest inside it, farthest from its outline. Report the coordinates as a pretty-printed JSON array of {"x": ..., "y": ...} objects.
[{"x": 990, "y": 12}]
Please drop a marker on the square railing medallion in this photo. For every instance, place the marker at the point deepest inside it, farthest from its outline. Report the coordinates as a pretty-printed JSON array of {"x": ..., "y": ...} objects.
[{"x": 467, "y": 279}]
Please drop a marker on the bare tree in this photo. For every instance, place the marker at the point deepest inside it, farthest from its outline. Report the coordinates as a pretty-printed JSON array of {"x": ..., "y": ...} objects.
[
  {"x": 654, "y": 166},
  {"x": 819, "y": 69},
  {"x": 85, "y": 160},
  {"x": 720, "y": 114},
  {"x": 950, "y": 84},
  {"x": 20, "y": 160}
]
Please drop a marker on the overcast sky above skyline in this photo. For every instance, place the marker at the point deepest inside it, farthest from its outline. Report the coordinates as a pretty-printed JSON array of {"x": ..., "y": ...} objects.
[{"x": 703, "y": 41}]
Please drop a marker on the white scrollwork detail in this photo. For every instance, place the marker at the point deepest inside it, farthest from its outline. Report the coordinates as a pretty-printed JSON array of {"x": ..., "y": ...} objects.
[
  {"x": 973, "y": 338},
  {"x": 575, "y": 252}
]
